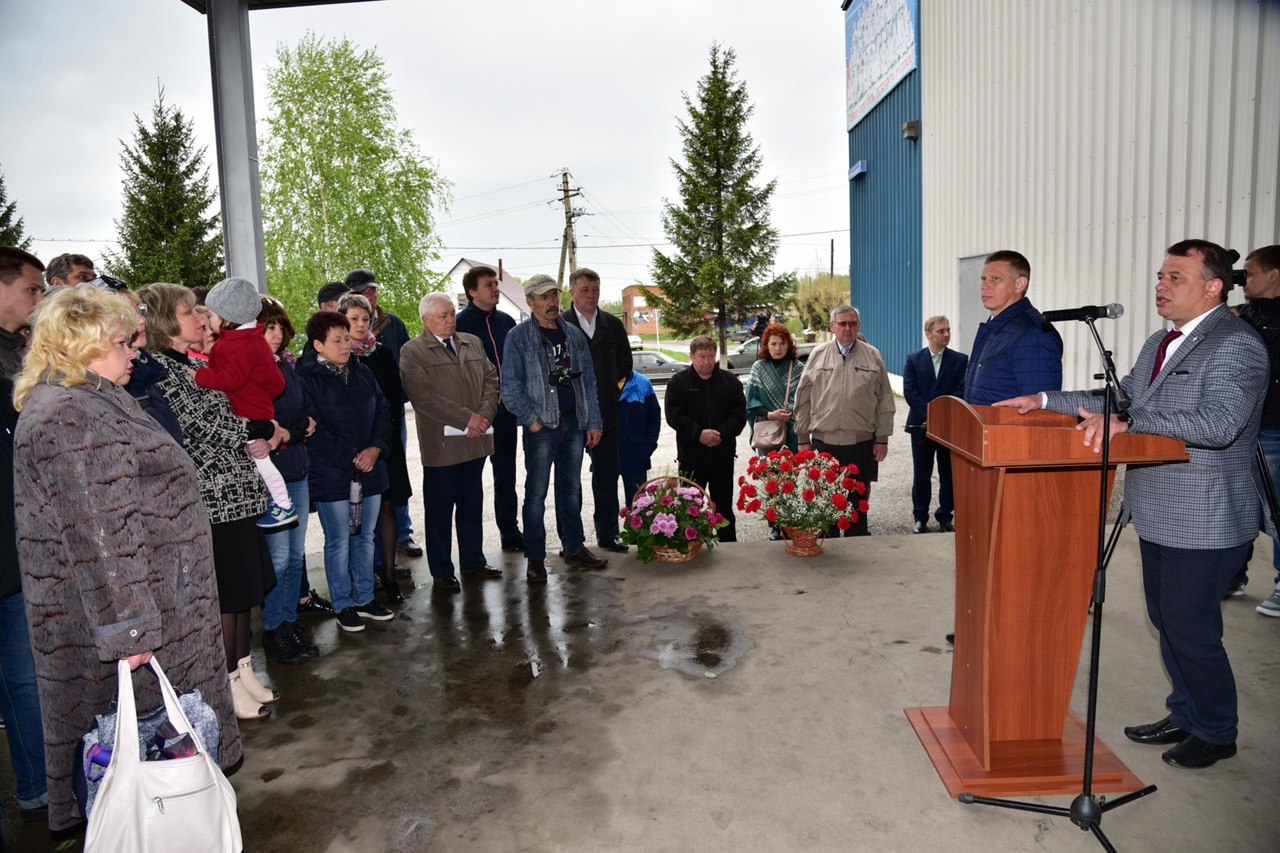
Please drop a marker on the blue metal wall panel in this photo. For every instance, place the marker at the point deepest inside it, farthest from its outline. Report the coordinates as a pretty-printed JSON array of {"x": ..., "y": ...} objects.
[{"x": 885, "y": 226}]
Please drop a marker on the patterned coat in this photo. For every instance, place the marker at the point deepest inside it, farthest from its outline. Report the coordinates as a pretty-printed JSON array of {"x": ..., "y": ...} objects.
[
  {"x": 216, "y": 438},
  {"x": 1209, "y": 393},
  {"x": 116, "y": 560}
]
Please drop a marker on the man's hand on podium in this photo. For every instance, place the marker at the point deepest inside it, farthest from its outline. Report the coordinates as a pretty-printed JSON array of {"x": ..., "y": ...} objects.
[
  {"x": 1092, "y": 426},
  {"x": 1028, "y": 403}
]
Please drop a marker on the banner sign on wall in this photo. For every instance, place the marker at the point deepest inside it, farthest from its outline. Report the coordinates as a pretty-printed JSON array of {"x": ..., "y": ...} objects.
[{"x": 880, "y": 49}]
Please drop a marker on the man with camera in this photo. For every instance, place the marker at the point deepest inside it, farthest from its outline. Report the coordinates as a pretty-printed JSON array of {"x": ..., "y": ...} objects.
[{"x": 549, "y": 385}]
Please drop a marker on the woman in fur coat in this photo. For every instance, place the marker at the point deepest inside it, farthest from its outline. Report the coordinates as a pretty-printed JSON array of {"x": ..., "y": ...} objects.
[{"x": 113, "y": 539}]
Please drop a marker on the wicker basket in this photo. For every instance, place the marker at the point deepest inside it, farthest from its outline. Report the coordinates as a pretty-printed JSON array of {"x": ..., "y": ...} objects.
[
  {"x": 671, "y": 555},
  {"x": 803, "y": 543}
]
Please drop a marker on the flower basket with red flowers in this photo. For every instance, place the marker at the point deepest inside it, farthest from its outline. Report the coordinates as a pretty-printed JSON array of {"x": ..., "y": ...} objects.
[
  {"x": 804, "y": 490},
  {"x": 669, "y": 520}
]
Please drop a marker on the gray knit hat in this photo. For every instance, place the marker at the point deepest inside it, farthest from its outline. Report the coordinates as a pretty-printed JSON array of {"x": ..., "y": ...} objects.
[{"x": 235, "y": 300}]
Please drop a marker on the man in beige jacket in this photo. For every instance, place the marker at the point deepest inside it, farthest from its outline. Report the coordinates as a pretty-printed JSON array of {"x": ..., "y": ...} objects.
[
  {"x": 454, "y": 391},
  {"x": 844, "y": 406}
]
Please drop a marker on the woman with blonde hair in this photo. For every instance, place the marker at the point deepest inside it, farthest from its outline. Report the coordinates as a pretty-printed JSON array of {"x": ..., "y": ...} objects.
[{"x": 113, "y": 540}]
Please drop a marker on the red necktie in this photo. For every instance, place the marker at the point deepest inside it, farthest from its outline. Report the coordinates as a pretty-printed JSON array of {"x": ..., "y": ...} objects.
[{"x": 1170, "y": 337}]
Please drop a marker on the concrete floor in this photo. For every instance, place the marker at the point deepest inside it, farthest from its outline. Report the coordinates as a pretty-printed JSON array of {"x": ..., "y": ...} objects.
[{"x": 581, "y": 716}]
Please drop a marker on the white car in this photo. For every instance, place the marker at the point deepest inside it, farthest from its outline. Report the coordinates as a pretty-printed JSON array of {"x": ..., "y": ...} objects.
[{"x": 635, "y": 341}]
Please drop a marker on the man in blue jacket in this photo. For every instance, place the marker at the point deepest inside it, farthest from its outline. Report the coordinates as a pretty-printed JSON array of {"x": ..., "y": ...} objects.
[
  {"x": 935, "y": 371},
  {"x": 1016, "y": 352},
  {"x": 482, "y": 318},
  {"x": 549, "y": 385}
]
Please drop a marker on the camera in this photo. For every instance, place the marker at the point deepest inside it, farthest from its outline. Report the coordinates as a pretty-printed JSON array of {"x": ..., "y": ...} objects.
[{"x": 562, "y": 376}]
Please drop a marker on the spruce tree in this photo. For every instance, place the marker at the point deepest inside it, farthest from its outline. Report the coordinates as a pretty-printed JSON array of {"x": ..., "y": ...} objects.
[
  {"x": 11, "y": 233},
  {"x": 724, "y": 244},
  {"x": 167, "y": 231}
]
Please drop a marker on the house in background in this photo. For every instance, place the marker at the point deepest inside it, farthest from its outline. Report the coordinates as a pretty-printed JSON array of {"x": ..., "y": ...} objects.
[
  {"x": 511, "y": 301},
  {"x": 638, "y": 315}
]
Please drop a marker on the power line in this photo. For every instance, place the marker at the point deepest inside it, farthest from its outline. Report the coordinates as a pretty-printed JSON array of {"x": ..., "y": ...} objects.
[
  {"x": 627, "y": 245},
  {"x": 500, "y": 189}
]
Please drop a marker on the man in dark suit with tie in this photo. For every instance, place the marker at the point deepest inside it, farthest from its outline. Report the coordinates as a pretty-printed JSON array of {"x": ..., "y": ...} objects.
[
  {"x": 1202, "y": 381},
  {"x": 934, "y": 371}
]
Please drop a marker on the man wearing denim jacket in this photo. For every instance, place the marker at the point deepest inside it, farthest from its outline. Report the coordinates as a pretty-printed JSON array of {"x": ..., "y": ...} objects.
[{"x": 549, "y": 385}]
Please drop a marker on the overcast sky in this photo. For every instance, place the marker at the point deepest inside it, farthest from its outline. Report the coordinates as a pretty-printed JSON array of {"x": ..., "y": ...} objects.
[{"x": 502, "y": 94}]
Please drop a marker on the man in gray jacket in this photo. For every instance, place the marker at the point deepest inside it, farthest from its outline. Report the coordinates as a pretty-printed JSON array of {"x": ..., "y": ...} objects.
[
  {"x": 844, "y": 406},
  {"x": 454, "y": 391},
  {"x": 1202, "y": 381}
]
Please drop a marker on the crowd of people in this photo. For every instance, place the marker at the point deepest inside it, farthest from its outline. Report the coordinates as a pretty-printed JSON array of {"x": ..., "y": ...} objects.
[{"x": 171, "y": 444}]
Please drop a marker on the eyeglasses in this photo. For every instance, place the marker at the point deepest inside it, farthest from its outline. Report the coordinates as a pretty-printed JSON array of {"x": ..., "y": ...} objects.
[{"x": 847, "y": 324}]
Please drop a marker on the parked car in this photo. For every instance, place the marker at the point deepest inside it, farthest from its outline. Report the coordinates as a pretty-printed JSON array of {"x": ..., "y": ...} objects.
[
  {"x": 745, "y": 355},
  {"x": 655, "y": 364},
  {"x": 740, "y": 334},
  {"x": 635, "y": 341}
]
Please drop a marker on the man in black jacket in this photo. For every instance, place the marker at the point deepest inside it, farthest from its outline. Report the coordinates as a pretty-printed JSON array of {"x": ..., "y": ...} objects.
[
  {"x": 707, "y": 408},
  {"x": 482, "y": 318},
  {"x": 21, "y": 288},
  {"x": 1262, "y": 311},
  {"x": 611, "y": 355}
]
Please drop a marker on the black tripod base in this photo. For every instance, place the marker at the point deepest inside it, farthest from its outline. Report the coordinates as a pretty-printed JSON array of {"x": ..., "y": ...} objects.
[{"x": 1085, "y": 811}]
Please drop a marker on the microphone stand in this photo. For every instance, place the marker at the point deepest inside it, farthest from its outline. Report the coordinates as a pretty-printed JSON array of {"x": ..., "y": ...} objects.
[{"x": 1086, "y": 810}]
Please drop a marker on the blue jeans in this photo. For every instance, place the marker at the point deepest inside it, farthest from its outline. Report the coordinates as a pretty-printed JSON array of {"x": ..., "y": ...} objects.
[
  {"x": 348, "y": 560},
  {"x": 288, "y": 549},
  {"x": 561, "y": 447},
  {"x": 1270, "y": 440},
  {"x": 20, "y": 702}
]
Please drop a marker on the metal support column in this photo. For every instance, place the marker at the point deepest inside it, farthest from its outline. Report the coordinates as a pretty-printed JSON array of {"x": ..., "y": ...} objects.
[{"x": 237, "y": 139}]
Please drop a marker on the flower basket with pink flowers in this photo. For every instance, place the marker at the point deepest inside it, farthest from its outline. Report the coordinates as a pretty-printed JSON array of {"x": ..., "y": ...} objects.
[
  {"x": 804, "y": 490},
  {"x": 669, "y": 520}
]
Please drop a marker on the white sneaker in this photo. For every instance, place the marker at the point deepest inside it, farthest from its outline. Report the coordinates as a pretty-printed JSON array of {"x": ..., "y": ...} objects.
[{"x": 1271, "y": 607}]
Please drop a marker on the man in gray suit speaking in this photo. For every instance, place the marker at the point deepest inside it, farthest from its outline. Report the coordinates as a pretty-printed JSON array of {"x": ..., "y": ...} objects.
[{"x": 1202, "y": 381}]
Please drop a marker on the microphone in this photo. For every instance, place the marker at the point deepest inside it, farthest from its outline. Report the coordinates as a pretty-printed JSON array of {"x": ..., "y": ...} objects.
[{"x": 1088, "y": 312}]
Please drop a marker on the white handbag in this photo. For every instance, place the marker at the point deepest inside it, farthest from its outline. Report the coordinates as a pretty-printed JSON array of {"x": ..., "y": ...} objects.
[{"x": 180, "y": 804}]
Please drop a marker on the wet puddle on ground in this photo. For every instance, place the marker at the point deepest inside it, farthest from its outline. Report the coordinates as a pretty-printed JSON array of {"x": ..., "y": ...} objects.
[{"x": 688, "y": 636}]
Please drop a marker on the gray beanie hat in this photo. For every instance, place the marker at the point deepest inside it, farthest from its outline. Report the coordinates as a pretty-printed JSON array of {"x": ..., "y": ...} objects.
[{"x": 235, "y": 300}]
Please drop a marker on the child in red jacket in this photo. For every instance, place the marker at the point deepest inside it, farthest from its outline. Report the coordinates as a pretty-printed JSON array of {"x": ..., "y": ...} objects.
[{"x": 242, "y": 365}]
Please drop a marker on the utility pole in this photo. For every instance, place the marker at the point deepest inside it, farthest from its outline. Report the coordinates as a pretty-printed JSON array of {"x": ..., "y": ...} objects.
[{"x": 568, "y": 243}]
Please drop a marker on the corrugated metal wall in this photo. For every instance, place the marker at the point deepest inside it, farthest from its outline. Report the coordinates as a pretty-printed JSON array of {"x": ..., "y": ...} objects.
[
  {"x": 884, "y": 225},
  {"x": 1090, "y": 136}
]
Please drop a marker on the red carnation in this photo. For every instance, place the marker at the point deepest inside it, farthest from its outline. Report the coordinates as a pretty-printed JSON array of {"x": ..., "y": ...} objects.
[
  {"x": 808, "y": 495},
  {"x": 844, "y": 523},
  {"x": 788, "y": 486},
  {"x": 851, "y": 468},
  {"x": 771, "y": 487},
  {"x": 832, "y": 475},
  {"x": 815, "y": 474},
  {"x": 863, "y": 506},
  {"x": 784, "y": 466},
  {"x": 741, "y": 502},
  {"x": 754, "y": 506},
  {"x": 771, "y": 515},
  {"x": 849, "y": 483},
  {"x": 840, "y": 501},
  {"x": 862, "y": 488},
  {"x": 749, "y": 490}
]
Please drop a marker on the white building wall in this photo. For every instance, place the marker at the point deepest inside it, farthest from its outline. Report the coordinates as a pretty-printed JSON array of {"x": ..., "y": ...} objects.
[{"x": 1089, "y": 135}]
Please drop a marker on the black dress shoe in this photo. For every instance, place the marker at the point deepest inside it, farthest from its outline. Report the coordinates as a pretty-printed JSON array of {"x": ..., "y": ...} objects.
[
  {"x": 515, "y": 544},
  {"x": 920, "y": 527},
  {"x": 775, "y": 533},
  {"x": 1164, "y": 731},
  {"x": 616, "y": 545},
  {"x": 951, "y": 638},
  {"x": 536, "y": 572},
  {"x": 947, "y": 527},
  {"x": 586, "y": 559},
  {"x": 409, "y": 548},
  {"x": 315, "y": 605},
  {"x": 401, "y": 572},
  {"x": 449, "y": 584},
  {"x": 300, "y": 643},
  {"x": 487, "y": 572},
  {"x": 276, "y": 643},
  {"x": 392, "y": 589},
  {"x": 1194, "y": 753}
]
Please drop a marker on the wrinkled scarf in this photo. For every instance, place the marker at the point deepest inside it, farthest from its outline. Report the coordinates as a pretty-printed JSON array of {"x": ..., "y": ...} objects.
[
  {"x": 339, "y": 370},
  {"x": 364, "y": 347}
]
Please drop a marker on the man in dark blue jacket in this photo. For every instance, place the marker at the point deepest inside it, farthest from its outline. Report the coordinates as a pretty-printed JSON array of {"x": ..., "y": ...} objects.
[
  {"x": 935, "y": 371},
  {"x": 482, "y": 318},
  {"x": 1016, "y": 352}
]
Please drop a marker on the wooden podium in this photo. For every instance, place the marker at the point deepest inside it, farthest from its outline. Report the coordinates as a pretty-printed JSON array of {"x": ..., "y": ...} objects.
[{"x": 1026, "y": 495}]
